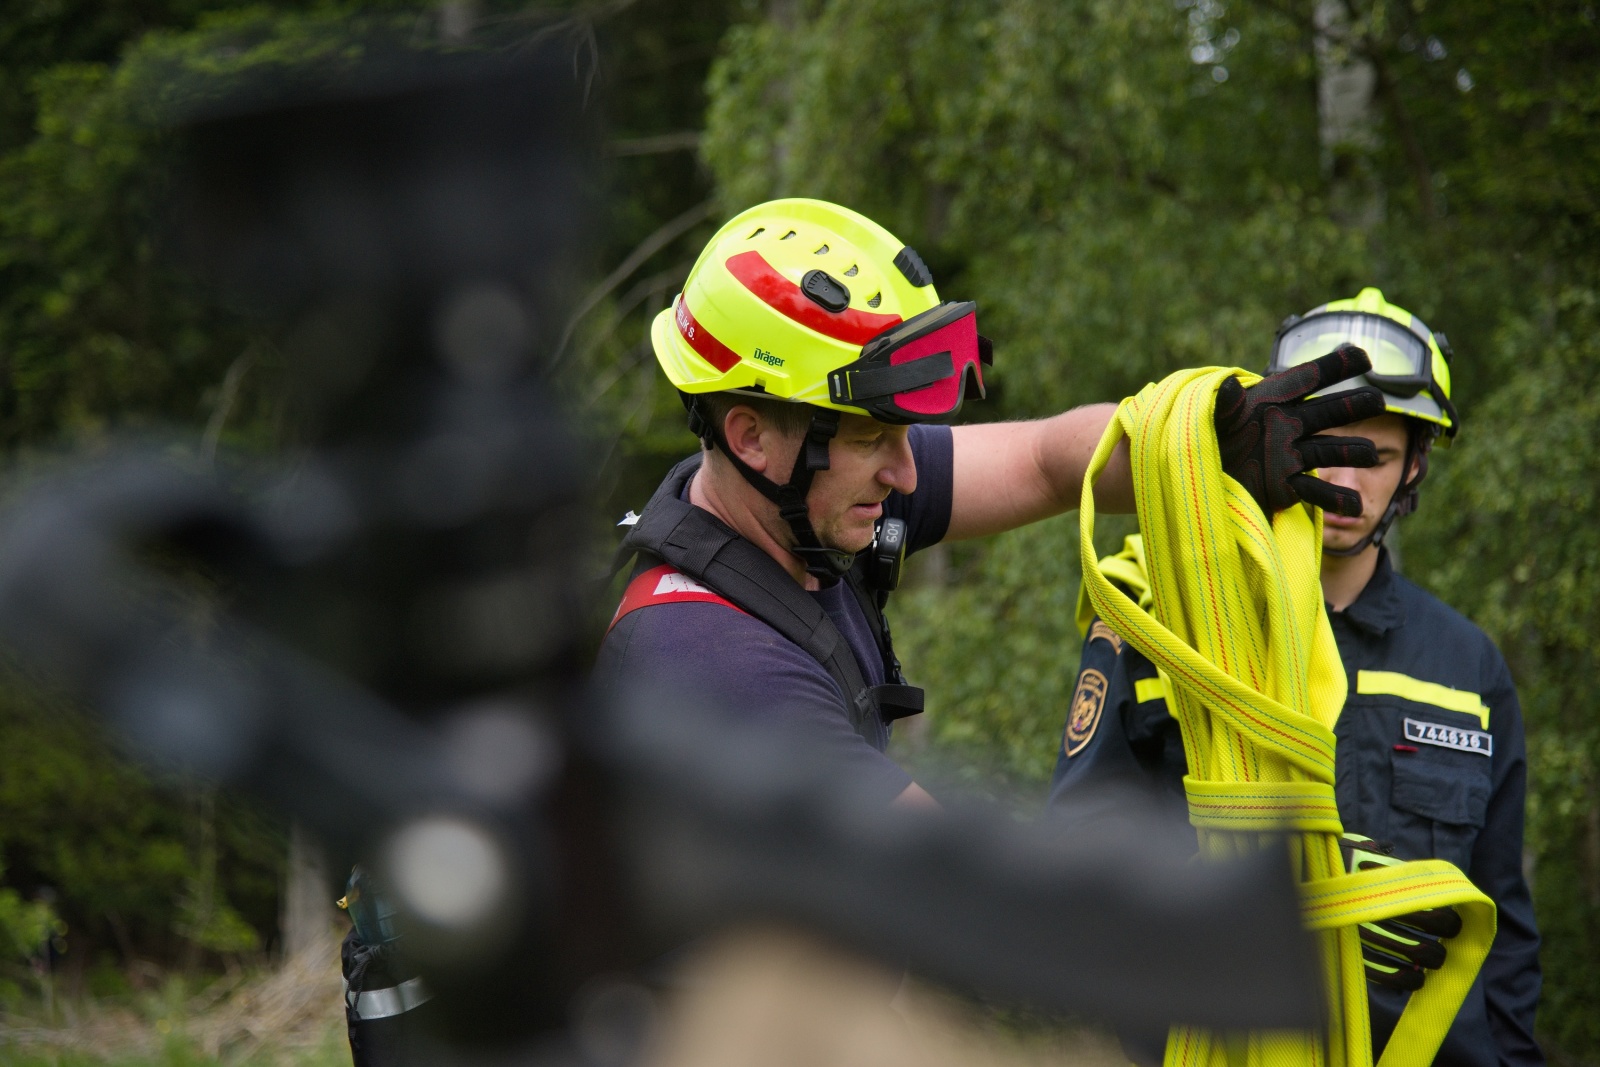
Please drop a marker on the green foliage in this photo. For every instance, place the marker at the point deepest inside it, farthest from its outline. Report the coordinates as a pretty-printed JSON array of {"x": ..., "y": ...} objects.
[
  {"x": 100, "y": 333},
  {"x": 37, "y": 35},
  {"x": 1000, "y": 703},
  {"x": 27, "y": 929},
  {"x": 25, "y": 925},
  {"x": 1068, "y": 168},
  {"x": 1520, "y": 491},
  {"x": 139, "y": 866},
  {"x": 1131, "y": 188},
  {"x": 997, "y": 650}
]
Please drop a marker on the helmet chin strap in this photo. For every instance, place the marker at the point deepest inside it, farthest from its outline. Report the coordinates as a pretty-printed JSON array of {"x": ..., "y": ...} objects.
[
  {"x": 820, "y": 561},
  {"x": 1404, "y": 500}
]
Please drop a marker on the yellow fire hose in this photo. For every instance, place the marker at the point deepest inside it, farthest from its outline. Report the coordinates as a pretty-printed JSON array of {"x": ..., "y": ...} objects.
[{"x": 1236, "y": 625}]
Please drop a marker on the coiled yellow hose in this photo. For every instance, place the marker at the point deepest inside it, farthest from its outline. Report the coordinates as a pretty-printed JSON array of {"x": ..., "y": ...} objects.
[{"x": 1237, "y": 626}]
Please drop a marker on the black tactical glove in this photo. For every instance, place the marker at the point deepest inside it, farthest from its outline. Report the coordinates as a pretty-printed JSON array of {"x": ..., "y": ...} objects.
[
  {"x": 1268, "y": 432},
  {"x": 1398, "y": 951}
]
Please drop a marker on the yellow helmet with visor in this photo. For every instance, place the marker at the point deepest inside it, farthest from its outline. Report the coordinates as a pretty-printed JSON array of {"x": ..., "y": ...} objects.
[
  {"x": 1410, "y": 367},
  {"x": 1410, "y": 363}
]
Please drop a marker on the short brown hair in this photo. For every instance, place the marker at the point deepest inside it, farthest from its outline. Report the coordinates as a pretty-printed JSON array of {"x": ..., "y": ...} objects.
[{"x": 791, "y": 419}]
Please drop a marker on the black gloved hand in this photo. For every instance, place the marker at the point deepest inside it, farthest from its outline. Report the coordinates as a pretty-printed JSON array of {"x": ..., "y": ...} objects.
[
  {"x": 1268, "y": 432},
  {"x": 1400, "y": 951}
]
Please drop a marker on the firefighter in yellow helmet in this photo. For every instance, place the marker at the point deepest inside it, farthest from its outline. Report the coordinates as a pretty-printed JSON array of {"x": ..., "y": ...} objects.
[
  {"x": 821, "y": 368},
  {"x": 1430, "y": 755},
  {"x": 1410, "y": 366}
]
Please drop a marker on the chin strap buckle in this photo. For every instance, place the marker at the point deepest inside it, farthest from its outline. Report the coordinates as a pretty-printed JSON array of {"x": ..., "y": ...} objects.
[{"x": 823, "y": 562}]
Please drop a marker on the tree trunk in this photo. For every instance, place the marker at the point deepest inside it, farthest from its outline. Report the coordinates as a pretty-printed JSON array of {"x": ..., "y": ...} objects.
[
  {"x": 308, "y": 895},
  {"x": 1346, "y": 124}
]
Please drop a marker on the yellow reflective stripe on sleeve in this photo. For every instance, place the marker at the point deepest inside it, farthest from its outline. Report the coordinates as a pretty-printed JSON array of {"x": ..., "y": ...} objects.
[
  {"x": 1151, "y": 688},
  {"x": 1394, "y": 684}
]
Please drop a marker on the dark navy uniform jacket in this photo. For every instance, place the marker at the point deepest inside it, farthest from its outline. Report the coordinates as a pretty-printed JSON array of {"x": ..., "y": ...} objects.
[{"x": 1416, "y": 764}]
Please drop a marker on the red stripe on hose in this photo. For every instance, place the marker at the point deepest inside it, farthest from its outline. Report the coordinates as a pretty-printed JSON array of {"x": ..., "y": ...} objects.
[
  {"x": 779, "y": 293},
  {"x": 709, "y": 348}
]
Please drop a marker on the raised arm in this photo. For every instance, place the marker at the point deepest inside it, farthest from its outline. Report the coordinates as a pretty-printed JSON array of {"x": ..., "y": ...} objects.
[
  {"x": 1012, "y": 473},
  {"x": 1008, "y": 474}
]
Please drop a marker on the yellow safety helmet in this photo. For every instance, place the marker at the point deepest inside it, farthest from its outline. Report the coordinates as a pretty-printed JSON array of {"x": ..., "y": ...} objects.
[
  {"x": 807, "y": 301},
  {"x": 810, "y": 302},
  {"x": 1410, "y": 367},
  {"x": 1410, "y": 363}
]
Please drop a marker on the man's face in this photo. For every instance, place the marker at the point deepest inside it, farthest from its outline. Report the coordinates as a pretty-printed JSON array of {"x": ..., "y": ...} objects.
[
  {"x": 865, "y": 461},
  {"x": 1375, "y": 484}
]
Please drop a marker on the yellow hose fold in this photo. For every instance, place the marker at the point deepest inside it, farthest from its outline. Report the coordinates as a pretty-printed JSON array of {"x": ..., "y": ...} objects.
[{"x": 1235, "y": 623}]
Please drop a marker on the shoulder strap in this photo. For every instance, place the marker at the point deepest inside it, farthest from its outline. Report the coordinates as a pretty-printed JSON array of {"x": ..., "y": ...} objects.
[
  {"x": 694, "y": 542},
  {"x": 896, "y": 699}
]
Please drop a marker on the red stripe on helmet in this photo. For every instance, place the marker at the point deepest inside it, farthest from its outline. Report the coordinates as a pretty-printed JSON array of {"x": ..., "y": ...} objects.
[
  {"x": 850, "y": 326},
  {"x": 709, "y": 348}
]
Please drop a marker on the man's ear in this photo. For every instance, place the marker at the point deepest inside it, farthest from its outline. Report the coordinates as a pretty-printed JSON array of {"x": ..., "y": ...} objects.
[{"x": 746, "y": 433}]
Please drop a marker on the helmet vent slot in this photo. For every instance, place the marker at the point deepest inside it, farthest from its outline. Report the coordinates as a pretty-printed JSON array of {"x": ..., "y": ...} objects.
[
  {"x": 874, "y": 300},
  {"x": 821, "y": 251},
  {"x": 786, "y": 236},
  {"x": 853, "y": 271},
  {"x": 759, "y": 231}
]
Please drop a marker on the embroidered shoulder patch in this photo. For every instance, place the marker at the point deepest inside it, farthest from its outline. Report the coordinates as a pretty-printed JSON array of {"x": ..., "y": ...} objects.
[
  {"x": 1100, "y": 630},
  {"x": 1432, "y": 733},
  {"x": 1087, "y": 702}
]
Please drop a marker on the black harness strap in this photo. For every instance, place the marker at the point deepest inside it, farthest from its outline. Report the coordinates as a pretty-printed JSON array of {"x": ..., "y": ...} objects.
[
  {"x": 698, "y": 544},
  {"x": 896, "y": 699}
]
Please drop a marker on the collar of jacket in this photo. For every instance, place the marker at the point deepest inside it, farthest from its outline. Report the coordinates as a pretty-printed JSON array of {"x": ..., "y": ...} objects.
[{"x": 1378, "y": 609}]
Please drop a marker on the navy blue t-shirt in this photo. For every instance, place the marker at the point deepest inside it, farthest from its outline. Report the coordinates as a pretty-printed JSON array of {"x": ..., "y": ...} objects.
[{"x": 716, "y": 654}]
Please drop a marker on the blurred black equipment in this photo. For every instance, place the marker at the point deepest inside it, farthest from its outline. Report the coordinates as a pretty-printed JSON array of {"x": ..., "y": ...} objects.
[{"x": 394, "y": 644}]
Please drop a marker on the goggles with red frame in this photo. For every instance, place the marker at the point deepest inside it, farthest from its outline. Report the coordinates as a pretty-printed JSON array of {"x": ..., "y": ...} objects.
[{"x": 920, "y": 370}]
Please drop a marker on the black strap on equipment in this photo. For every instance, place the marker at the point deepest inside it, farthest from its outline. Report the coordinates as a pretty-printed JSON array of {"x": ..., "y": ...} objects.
[
  {"x": 875, "y": 575},
  {"x": 846, "y": 385},
  {"x": 698, "y": 544},
  {"x": 820, "y": 560}
]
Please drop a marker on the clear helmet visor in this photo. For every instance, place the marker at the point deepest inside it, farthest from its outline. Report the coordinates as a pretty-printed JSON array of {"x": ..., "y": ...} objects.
[{"x": 1402, "y": 363}]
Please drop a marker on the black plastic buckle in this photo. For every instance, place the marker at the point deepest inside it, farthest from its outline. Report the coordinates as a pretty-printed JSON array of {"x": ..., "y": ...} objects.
[{"x": 897, "y": 701}]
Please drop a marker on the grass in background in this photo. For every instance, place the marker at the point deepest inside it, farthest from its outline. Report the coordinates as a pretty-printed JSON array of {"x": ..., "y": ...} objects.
[{"x": 288, "y": 1017}]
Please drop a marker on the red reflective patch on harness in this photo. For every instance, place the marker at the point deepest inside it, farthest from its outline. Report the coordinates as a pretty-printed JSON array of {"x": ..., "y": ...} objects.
[{"x": 664, "y": 585}]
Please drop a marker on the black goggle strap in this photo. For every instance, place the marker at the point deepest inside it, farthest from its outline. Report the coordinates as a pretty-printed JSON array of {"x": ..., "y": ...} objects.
[
  {"x": 1443, "y": 401},
  {"x": 862, "y": 381},
  {"x": 790, "y": 497}
]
